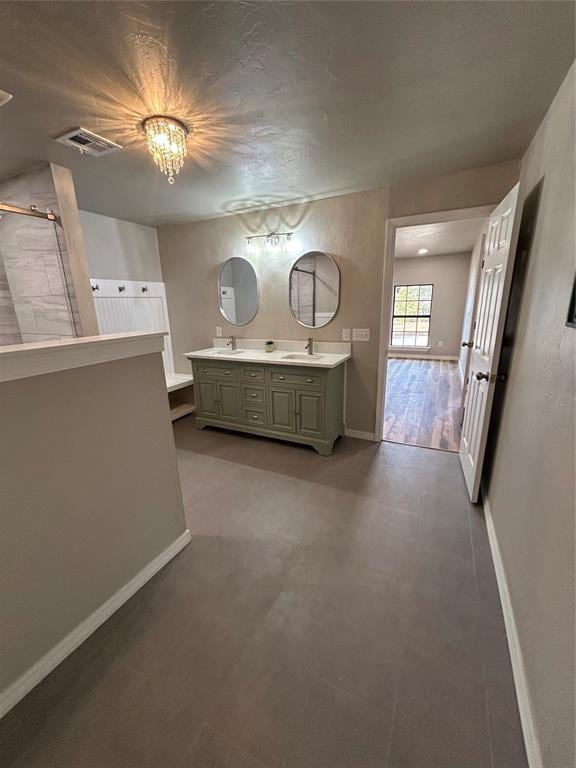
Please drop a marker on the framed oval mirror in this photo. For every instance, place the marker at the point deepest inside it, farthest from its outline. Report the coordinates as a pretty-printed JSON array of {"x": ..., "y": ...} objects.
[
  {"x": 314, "y": 289},
  {"x": 238, "y": 291}
]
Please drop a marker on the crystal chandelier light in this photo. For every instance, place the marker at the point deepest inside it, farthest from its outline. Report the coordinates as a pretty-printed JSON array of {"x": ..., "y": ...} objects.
[{"x": 166, "y": 138}]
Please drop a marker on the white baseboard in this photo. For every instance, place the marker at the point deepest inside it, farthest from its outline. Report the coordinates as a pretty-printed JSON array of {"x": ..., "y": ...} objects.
[
  {"x": 533, "y": 751},
  {"x": 359, "y": 434},
  {"x": 420, "y": 356},
  {"x": 12, "y": 695}
]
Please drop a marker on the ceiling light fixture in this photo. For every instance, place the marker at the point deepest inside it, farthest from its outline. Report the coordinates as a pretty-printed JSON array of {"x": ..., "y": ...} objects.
[
  {"x": 422, "y": 251},
  {"x": 166, "y": 139}
]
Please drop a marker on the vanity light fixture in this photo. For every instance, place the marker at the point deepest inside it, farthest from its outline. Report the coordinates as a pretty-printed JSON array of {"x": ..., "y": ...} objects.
[
  {"x": 422, "y": 251},
  {"x": 166, "y": 139},
  {"x": 272, "y": 238}
]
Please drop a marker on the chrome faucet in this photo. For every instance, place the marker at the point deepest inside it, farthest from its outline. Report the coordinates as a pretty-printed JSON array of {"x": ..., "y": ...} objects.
[
  {"x": 231, "y": 342},
  {"x": 310, "y": 346}
]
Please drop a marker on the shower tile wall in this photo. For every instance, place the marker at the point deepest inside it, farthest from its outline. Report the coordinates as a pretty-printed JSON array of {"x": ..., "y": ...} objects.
[
  {"x": 35, "y": 264},
  {"x": 9, "y": 328}
]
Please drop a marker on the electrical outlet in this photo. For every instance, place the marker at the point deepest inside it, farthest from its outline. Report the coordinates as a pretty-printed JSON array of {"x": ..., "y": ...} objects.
[
  {"x": 360, "y": 334},
  {"x": 218, "y": 331},
  {"x": 440, "y": 343},
  {"x": 345, "y": 334}
]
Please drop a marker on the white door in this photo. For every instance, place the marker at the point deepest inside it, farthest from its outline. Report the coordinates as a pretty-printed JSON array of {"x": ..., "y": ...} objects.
[
  {"x": 494, "y": 286},
  {"x": 470, "y": 311}
]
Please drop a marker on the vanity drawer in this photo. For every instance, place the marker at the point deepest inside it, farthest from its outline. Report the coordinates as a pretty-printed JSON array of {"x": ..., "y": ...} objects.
[
  {"x": 296, "y": 379},
  {"x": 256, "y": 395},
  {"x": 253, "y": 374},
  {"x": 215, "y": 371},
  {"x": 255, "y": 416}
]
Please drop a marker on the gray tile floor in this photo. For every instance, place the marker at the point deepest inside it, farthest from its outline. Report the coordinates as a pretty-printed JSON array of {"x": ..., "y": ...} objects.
[{"x": 333, "y": 612}]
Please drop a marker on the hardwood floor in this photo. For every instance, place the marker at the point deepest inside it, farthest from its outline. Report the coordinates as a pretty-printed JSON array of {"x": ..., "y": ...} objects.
[{"x": 423, "y": 403}]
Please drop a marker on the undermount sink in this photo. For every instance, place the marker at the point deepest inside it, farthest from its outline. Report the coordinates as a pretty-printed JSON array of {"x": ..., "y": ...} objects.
[
  {"x": 228, "y": 352},
  {"x": 302, "y": 357}
]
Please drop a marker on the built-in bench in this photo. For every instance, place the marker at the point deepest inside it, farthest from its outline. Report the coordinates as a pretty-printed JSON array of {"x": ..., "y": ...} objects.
[{"x": 180, "y": 394}]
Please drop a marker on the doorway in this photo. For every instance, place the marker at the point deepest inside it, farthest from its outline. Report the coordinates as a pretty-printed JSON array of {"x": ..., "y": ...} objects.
[{"x": 435, "y": 264}]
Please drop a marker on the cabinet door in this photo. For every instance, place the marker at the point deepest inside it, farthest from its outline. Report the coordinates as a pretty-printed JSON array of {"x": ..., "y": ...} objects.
[
  {"x": 310, "y": 413},
  {"x": 282, "y": 416},
  {"x": 207, "y": 396},
  {"x": 229, "y": 401}
]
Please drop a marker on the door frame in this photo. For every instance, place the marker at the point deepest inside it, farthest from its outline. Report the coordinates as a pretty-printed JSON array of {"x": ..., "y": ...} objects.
[{"x": 392, "y": 225}]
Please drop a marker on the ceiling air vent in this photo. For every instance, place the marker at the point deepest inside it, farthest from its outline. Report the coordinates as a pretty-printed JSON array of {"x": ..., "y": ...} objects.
[{"x": 88, "y": 142}]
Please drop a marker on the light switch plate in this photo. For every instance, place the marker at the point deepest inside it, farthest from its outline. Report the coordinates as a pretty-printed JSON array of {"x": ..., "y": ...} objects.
[
  {"x": 361, "y": 334},
  {"x": 219, "y": 331},
  {"x": 345, "y": 334}
]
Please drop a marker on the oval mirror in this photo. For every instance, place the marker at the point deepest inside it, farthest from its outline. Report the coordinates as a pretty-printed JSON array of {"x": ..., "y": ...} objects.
[
  {"x": 238, "y": 291},
  {"x": 314, "y": 289}
]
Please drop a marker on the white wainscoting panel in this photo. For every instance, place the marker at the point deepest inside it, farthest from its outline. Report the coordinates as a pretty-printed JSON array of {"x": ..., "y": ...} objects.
[{"x": 133, "y": 305}]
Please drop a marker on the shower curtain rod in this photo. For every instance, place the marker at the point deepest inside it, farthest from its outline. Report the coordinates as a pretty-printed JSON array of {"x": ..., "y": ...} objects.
[{"x": 31, "y": 211}]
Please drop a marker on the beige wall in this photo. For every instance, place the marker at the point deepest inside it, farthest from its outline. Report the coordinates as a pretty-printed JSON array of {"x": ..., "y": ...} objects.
[
  {"x": 467, "y": 189},
  {"x": 351, "y": 228},
  {"x": 449, "y": 275},
  {"x": 531, "y": 492},
  {"x": 89, "y": 495},
  {"x": 120, "y": 250}
]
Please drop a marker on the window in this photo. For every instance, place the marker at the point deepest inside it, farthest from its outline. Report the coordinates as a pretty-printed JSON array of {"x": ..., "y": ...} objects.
[{"x": 411, "y": 315}]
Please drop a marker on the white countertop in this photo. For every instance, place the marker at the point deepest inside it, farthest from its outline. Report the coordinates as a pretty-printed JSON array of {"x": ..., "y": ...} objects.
[
  {"x": 20, "y": 361},
  {"x": 280, "y": 357}
]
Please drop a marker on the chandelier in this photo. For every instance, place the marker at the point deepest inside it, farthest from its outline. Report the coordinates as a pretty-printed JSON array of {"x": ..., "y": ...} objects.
[{"x": 166, "y": 139}]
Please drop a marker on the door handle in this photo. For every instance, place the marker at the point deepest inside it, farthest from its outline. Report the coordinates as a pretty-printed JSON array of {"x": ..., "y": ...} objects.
[
  {"x": 481, "y": 376},
  {"x": 467, "y": 343}
]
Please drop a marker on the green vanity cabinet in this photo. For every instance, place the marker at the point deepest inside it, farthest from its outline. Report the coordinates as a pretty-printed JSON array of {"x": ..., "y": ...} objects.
[
  {"x": 229, "y": 404},
  {"x": 282, "y": 409},
  {"x": 207, "y": 399},
  {"x": 310, "y": 413},
  {"x": 299, "y": 404}
]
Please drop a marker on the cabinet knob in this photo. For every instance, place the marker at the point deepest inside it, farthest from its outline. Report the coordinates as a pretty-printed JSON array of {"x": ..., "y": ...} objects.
[
  {"x": 204, "y": 370},
  {"x": 253, "y": 375},
  {"x": 227, "y": 373},
  {"x": 255, "y": 418},
  {"x": 121, "y": 288},
  {"x": 254, "y": 394},
  {"x": 96, "y": 287},
  {"x": 481, "y": 376},
  {"x": 281, "y": 378},
  {"x": 310, "y": 381},
  {"x": 144, "y": 289}
]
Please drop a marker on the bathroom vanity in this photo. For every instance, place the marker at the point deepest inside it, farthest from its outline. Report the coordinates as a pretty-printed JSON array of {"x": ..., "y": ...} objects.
[{"x": 283, "y": 394}]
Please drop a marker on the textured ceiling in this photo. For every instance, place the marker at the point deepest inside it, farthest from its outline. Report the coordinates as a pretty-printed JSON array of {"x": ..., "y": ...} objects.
[
  {"x": 444, "y": 237},
  {"x": 286, "y": 100}
]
